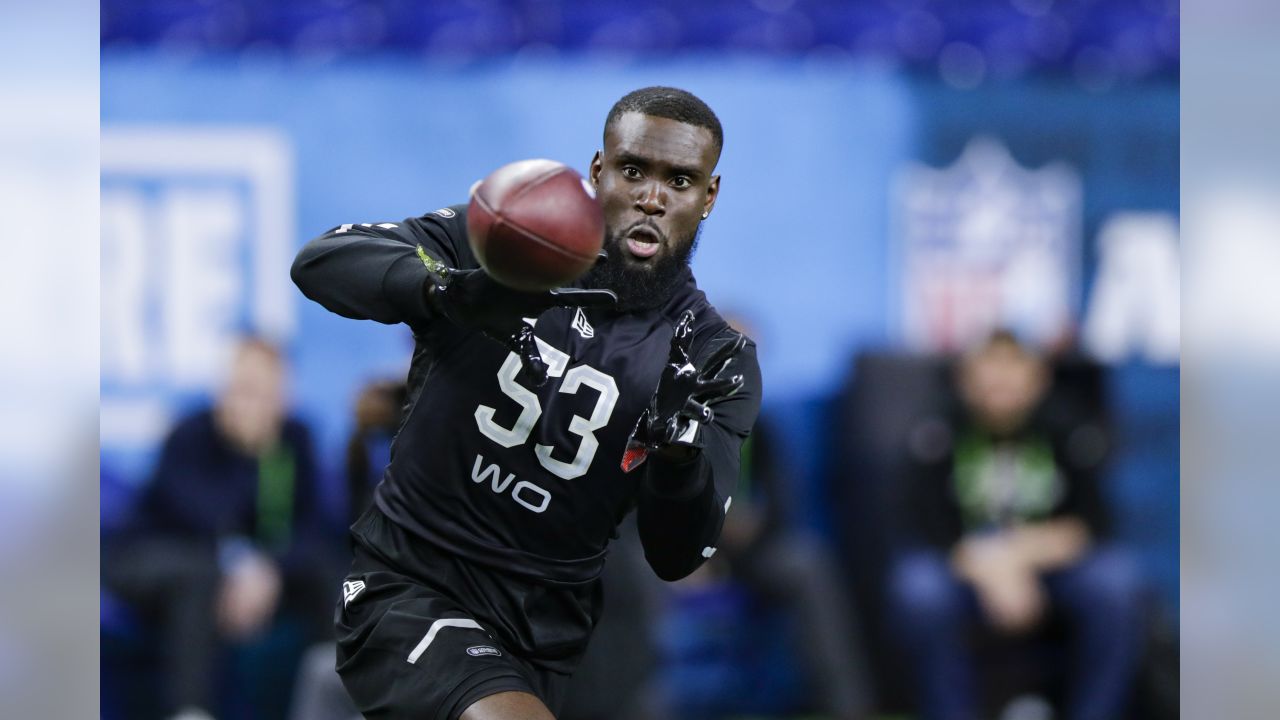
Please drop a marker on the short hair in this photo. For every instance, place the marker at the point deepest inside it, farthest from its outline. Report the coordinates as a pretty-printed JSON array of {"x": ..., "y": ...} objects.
[
  {"x": 261, "y": 344},
  {"x": 1002, "y": 338},
  {"x": 671, "y": 103}
]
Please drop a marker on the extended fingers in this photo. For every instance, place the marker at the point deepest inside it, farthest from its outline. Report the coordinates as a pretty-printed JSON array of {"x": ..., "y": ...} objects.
[
  {"x": 681, "y": 337},
  {"x": 697, "y": 411},
  {"x": 718, "y": 388},
  {"x": 525, "y": 347}
]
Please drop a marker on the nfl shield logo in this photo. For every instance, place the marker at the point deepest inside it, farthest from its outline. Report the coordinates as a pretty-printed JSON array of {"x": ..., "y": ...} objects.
[{"x": 986, "y": 243}]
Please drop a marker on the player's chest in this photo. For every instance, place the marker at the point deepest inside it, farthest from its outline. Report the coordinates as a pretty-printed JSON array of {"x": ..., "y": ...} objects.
[
  {"x": 601, "y": 376},
  {"x": 606, "y": 369},
  {"x": 630, "y": 350}
]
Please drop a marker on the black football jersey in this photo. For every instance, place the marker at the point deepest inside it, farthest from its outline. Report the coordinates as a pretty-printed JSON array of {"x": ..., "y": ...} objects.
[{"x": 523, "y": 479}]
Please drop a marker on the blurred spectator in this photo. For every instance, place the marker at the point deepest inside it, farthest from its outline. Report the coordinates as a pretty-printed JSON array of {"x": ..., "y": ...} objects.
[
  {"x": 225, "y": 541},
  {"x": 1003, "y": 524}
]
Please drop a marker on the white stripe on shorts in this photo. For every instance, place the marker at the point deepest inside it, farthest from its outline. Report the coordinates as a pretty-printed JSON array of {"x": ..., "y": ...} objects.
[{"x": 435, "y": 628}]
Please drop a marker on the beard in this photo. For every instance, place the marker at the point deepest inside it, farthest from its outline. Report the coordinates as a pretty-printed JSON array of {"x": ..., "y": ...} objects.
[{"x": 639, "y": 287}]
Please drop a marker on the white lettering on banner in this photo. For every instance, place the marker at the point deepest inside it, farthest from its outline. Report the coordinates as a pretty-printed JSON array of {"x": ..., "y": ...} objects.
[
  {"x": 1135, "y": 306},
  {"x": 197, "y": 229},
  {"x": 124, "y": 285},
  {"x": 202, "y": 282}
]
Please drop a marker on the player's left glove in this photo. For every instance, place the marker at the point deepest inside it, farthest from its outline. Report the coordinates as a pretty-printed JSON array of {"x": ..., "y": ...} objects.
[
  {"x": 473, "y": 299},
  {"x": 684, "y": 396}
]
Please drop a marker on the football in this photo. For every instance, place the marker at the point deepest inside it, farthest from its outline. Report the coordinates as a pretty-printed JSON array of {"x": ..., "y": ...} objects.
[{"x": 535, "y": 225}]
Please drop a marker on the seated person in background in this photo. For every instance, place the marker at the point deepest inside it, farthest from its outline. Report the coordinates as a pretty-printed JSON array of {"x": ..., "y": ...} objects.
[
  {"x": 226, "y": 534},
  {"x": 1002, "y": 521}
]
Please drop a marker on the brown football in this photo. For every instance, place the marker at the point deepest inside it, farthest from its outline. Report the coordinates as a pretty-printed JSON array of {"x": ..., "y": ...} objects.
[{"x": 535, "y": 225}]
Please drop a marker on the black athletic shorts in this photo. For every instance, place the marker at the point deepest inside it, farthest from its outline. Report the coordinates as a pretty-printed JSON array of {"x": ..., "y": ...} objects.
[{"x": 408, "y": 648}]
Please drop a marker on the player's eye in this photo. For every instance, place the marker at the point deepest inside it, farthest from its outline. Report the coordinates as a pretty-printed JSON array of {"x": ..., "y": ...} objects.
[
  {"x": 680, "y": 182},
  {"x": 630, "y": 171}
]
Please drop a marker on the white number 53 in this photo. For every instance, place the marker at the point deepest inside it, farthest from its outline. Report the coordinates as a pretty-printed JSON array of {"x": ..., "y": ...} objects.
[{"x": 531, "y": 410}]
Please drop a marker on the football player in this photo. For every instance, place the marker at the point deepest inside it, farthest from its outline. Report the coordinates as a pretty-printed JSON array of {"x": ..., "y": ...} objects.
[{"x": 535, "y": 423}]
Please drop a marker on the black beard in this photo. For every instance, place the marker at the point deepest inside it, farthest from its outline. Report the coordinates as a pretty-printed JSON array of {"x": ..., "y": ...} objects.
[{"x": 640, "y": 288}]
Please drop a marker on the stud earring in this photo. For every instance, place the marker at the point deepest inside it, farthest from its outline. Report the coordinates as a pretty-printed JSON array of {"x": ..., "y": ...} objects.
[{"x": 704, "y": 215}]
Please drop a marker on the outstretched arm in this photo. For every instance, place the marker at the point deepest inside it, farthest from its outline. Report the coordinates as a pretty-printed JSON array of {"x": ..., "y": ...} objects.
[
  {"x": 690, "y": 471},
  {"x": 421, "y": 269},
  {"x": 375, "y": 271}
]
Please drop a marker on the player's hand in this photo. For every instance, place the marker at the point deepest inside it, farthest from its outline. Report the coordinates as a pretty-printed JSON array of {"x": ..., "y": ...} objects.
[
  {"x": 472, "y": 299},
  {"x": 683, "y": 398}
]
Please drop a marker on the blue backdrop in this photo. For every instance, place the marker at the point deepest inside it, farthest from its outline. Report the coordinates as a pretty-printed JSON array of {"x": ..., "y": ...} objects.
[{"x": 798, "y": 243}]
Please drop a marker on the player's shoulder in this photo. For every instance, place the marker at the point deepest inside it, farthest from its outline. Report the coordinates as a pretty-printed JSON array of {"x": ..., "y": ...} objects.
[
  {"x": 446, "y": 228},
  {"x": 451, "y": 218},
  {"x": 688, "y": 296},
  {"x": 710, "y": 326}
]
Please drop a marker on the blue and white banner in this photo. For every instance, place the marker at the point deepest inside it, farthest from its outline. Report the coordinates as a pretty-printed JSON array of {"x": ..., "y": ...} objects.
[
  {"x": 197, "y": 236},
  {"x": 986, "y": 243}
]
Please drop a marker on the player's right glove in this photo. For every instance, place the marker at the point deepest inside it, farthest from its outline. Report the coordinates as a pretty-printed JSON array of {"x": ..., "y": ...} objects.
[
  {"x": 684, "y": 395},
  {"x": 471, "y": 299}
]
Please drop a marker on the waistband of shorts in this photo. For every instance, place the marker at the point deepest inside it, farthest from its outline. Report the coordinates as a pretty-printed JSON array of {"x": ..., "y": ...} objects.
[{"x": 416, "y": 550}]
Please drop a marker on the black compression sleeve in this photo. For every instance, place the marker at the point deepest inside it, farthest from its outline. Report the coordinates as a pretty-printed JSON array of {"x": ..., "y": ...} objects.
[
  {"x": 375, "y": 272},
  {"x": 679, "y": 516},
  {"x": 363, "y": 277}
]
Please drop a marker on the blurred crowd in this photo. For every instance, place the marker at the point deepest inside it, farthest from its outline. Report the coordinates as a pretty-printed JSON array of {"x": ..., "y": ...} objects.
[{"x": 969, "y": 570}]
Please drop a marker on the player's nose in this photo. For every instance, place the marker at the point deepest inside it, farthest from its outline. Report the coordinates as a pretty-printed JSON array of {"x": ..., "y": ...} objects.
[{"x": 651, "y": 200}]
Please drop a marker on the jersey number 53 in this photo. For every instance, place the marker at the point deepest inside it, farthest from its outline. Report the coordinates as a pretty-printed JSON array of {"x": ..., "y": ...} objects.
[{"x": 530, "y": 410}]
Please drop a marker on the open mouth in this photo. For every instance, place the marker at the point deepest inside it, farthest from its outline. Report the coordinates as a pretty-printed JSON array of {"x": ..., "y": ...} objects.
[{"x": 643, "y": 242}]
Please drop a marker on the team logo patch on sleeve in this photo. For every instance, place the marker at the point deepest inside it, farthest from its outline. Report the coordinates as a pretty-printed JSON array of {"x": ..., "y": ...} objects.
[
  {"x": 445, "y": 212},
  {"x": 350, "y": 590},
  {"x": 483, "y": 651}
]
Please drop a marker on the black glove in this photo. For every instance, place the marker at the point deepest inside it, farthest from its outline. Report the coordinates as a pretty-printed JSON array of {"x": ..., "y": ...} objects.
[
  {"x": 683, "y": 395},
  {"x": 472, "y": 299}
]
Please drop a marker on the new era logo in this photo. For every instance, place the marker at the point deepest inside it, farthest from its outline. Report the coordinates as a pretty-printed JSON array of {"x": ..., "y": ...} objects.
[
  {"x": 350, "y": 589},
  {"x": 582, "y": 326}
]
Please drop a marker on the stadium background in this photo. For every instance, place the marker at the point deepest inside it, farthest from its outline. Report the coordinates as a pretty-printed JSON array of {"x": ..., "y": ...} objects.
[{"x": 233, "y": 132}]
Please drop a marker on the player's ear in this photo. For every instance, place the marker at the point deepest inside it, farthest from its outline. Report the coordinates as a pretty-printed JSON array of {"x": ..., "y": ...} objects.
[
  {"x": 597, "y": 164},
  {"x": 713, "y": 191}
]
